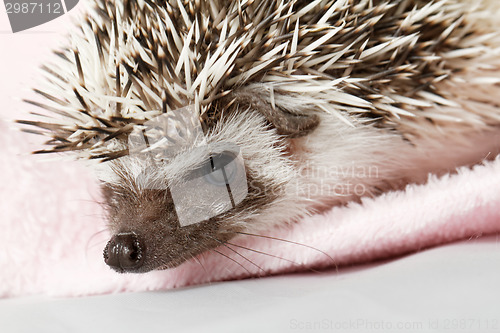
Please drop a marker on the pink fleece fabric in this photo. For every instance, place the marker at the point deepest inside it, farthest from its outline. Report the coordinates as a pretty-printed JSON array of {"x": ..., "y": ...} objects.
[{"x": 52, "y": 231}]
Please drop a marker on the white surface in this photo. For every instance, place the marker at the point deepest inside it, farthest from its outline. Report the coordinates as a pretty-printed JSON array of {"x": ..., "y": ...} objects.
[{"x": 453, "y": 288}]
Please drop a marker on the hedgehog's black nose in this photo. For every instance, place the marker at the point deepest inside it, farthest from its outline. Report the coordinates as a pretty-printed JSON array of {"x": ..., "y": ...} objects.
[{"x": 124, "y": 252}]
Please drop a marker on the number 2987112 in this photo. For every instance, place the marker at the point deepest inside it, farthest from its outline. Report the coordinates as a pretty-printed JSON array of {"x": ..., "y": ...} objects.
[{"x": 33, "y": 7}]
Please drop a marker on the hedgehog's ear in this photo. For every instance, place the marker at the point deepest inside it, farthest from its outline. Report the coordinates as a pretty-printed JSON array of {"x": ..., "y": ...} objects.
[{"x": 286, "y": 123}]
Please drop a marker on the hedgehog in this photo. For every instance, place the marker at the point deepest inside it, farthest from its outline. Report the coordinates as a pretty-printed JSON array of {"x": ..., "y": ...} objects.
[{"x": 208, "y": 120}]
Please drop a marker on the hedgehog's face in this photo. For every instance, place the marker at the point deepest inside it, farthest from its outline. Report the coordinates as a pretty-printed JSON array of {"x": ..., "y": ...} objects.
[
  {"x": 161, "y": 215},
  {"x": 148, "y": 235}
]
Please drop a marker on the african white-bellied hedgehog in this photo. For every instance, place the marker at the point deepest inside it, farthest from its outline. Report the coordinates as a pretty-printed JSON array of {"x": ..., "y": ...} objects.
[{"x": 218, "y": 118}]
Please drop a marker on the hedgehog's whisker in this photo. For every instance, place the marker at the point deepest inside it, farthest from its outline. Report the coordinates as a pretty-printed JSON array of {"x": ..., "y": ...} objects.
[
  {"x": 93, "y": 216},
  {"x": 88, "y": 246},
  {"x": 278, "y": 257},
  {"x": 250, "y": 261},
  {"x": 199, "y": 262},
  {"x": 264, "y": 253},
  {"x": 292, "y": 242},
  {"x": 237, "y": 253},
  {"x": 233, "y": 260}
]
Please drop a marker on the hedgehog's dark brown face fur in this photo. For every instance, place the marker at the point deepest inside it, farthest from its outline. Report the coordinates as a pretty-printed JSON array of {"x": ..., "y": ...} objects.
[{"x": 147, "y": 233}]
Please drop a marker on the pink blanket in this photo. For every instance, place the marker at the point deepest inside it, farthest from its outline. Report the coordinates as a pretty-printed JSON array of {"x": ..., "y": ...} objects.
[{"x": 52, "y": 229}]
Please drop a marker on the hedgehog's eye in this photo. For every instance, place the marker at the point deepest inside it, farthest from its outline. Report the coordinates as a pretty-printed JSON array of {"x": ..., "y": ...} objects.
[
  {"x": 212, "y": 188},
  {"x": 221, "y": 169}
]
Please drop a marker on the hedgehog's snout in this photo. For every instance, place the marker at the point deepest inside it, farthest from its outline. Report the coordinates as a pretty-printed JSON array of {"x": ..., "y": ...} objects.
[{"x": 124, "y": 252}]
